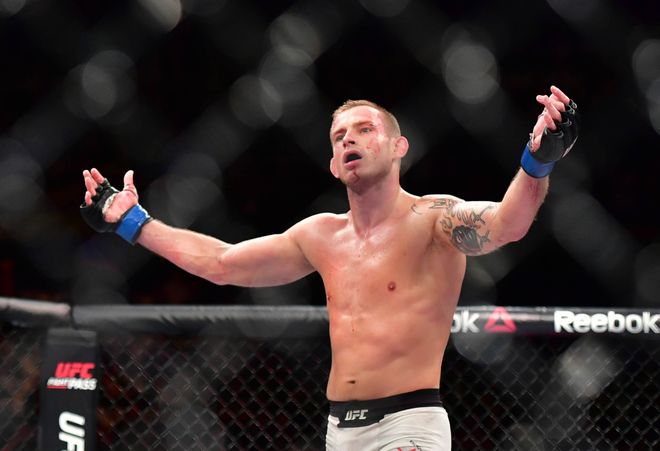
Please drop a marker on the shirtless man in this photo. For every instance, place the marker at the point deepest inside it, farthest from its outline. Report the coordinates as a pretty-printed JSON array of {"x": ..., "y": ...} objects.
[{"x": 392, "y": 267}]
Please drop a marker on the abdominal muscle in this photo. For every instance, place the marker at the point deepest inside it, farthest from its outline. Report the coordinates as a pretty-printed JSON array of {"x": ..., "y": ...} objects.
[{"x": 387, "y": 346}]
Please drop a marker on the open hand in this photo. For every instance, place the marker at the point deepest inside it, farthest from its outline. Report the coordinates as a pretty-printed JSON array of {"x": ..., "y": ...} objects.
[
  {"x": 116, "y": 205},
  {"x": 554, "y": 105}
]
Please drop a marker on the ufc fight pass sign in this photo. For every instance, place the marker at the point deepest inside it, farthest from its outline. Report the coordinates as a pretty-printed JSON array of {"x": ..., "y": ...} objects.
[{"x": 70, "y": 376}]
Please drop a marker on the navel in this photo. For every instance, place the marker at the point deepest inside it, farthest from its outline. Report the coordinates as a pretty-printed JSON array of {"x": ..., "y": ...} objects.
[{"x": 391, "y": 286}]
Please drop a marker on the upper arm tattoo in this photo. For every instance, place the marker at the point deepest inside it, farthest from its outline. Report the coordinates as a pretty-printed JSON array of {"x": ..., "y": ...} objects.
[{"x": 465, "y": 227}]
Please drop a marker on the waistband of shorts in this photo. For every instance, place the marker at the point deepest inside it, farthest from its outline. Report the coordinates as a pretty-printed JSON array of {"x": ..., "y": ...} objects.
[{"x": 370, "y": 411}]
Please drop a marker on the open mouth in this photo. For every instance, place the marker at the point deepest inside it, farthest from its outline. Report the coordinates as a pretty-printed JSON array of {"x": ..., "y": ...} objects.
[{"x": 352, "y": 157}]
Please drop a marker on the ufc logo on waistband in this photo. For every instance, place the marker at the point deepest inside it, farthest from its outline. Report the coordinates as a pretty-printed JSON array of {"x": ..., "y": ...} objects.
[{"x": 356, "y": 415}]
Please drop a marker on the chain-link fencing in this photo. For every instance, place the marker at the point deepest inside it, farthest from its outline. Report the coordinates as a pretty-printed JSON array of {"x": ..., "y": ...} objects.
[{"x": 251, "y": 387}]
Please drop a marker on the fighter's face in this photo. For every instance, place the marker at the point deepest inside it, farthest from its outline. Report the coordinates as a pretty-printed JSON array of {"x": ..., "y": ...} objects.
[{"x": 361, "y": 145}]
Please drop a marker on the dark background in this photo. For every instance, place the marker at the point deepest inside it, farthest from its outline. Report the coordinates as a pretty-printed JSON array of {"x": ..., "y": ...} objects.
[{"x": 222, "y": 108}]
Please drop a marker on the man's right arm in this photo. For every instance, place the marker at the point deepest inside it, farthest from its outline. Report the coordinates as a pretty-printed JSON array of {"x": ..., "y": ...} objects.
[{"x": 265, "y": 261}]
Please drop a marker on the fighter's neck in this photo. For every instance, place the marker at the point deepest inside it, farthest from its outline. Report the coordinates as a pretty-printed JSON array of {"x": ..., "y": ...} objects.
[{"x": 372, "y": 206}]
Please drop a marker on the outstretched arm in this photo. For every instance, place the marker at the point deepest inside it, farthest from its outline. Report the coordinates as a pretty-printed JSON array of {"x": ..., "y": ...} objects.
[
  {"x": 477, "y": 228},
  {"x": 266, "y": 261}
]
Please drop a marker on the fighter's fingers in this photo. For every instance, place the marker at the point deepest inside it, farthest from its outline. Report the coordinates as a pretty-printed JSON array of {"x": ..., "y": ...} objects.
[
  {"x": 536, "y": 142},
  {"x": 550, "y": 107},
  {"x": 128, "y": 177},
  {"x": 128, "y": 182},
  {"x": 557, "y": 103},
  {"x": 97, "y": 175},
  {"x": 90, "y": 184},
  {"x": 539, "y": 127},
  {"x": 563, "y": 98},
  {"x": 88, "y": 198},
  {"x": 548, "y": 119}
]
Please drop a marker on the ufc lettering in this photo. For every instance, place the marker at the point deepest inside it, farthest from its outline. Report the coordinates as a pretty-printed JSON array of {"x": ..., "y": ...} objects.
[
  {"x": 356, "y": 415},
  {"x": 72, "y": 431},
  {"x": 73, "y": 369}
]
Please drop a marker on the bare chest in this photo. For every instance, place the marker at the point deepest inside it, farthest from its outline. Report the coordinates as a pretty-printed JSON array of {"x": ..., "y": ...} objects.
[{"x": 384, "y": 262}]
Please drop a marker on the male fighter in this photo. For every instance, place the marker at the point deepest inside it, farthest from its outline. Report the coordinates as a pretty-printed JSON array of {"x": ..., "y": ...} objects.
[{"x": 392, "y": 267}]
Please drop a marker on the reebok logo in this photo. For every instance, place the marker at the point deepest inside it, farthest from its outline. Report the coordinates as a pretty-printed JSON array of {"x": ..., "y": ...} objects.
[
  {"x": 73, "y": 376},
  {"x": 356, "y": 415},
  {"x": 500, "y": 321},
  {"x": 567, "y": 321}
]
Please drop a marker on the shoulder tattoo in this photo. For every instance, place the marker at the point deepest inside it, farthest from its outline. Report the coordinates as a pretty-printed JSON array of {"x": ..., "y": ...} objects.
[{"x": 465, "y": 227}]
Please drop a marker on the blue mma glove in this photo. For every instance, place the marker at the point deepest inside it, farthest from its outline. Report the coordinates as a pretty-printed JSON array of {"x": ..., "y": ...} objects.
[
  {"x": 129, "y": 225},
  {"x": 554, "y": 144}
]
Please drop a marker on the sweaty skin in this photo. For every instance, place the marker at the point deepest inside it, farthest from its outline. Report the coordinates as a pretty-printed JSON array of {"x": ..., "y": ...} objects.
[
  {"x": 392, "y": 266},
  {"x": 391, "y": 295}
]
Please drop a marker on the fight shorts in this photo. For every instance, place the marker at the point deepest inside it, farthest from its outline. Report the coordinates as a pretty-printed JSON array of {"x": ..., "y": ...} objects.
[{"x": 406, "y": 422}]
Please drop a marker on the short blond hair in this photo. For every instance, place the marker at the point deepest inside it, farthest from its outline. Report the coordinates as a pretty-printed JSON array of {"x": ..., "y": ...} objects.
[{"x": 390, "y": 120}]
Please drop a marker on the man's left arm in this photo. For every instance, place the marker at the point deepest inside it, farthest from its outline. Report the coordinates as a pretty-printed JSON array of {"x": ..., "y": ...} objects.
[{"x": 477, "y": 228}]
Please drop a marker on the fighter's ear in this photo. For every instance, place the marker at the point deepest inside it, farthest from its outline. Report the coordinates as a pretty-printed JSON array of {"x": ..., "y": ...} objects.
[
  {"x": 401, "y": 146},
  {"x": 333, "y": 168}
]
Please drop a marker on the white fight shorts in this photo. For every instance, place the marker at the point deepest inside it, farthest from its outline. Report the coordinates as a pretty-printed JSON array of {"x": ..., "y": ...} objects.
[{"x": 405, "y": 422}]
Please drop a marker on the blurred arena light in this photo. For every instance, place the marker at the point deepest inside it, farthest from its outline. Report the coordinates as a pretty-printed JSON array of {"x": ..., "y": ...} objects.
[
  {"x": 11, "y": 7},
  {"x": 255, "y": 102},
  {"x": 292, "y": 31},
  {"x": 189, "y": 197},
  {"x": 292, "y": 84},
  {"x": 181, "y": 199},
  {"x": 19, "y": 173},
  {"x": 165, "y": 14},
  {"x": 418, "y": 146},
  {"x": 647, "y": 275},
  {"x": 646, "y": 66},
  {"x": 385, "y": 8},
  {"x": 20, "y": 196},
  {"x": 482, "y": 118},
  {"x": 592, "y": 236},
  {"x": 99, "y": 85},
  {"x": 573, "y": 11},
  {"x": 215, "y": 133},
  {"x": 587, "y": 367},
  {"x": 484, "y": 349},
  {"x": 469, "y": 68}
]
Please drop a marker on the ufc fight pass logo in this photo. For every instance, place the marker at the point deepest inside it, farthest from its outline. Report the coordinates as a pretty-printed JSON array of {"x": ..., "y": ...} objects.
[{"x": 73, "y": 376}]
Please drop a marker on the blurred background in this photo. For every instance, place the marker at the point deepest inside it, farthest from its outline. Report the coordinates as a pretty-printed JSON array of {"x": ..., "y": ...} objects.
[{"x": 222, "y": 108}]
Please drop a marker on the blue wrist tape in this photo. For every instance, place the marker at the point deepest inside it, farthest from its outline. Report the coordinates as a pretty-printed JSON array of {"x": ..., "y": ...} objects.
[
  {"x": 534, "y": 167},
  {"x": 132, "y": 222}
]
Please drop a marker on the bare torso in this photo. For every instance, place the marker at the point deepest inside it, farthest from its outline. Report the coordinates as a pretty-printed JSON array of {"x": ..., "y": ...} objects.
[{"x": 391, "y": 295}]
